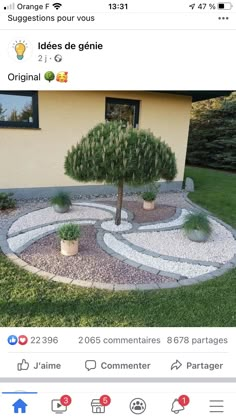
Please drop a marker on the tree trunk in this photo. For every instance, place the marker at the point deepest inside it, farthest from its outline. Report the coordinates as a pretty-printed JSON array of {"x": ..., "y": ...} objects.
[{"x": 119, "y": 203}]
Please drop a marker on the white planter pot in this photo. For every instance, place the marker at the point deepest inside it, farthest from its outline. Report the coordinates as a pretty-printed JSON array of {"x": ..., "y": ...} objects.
[
  {"x": 197, "y": 236},
  {"x": 148, "y": 205},
  {"x": 69, "y": 248}
]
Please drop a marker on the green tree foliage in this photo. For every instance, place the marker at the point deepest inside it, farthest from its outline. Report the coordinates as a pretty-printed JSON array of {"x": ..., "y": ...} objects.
[
  {"x": 26, "y": 113},
  {"x": 116, "y": 155},
  {"x": 212, "y": 135},
  {"x": 2, "y": 113},
  {"x": 13, "y": 115}
]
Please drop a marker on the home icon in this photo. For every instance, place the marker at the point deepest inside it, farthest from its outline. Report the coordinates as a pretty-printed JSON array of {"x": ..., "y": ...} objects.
[
  {"x": 19, "y": 407},
  {"x": 97, "y": 407}
]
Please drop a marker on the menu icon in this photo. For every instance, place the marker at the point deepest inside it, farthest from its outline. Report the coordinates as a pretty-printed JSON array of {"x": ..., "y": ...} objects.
[{"x": 216, "y": 406}]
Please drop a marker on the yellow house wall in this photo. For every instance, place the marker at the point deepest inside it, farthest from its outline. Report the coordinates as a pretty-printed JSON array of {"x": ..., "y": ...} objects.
[{"x": 35, "y": 158}]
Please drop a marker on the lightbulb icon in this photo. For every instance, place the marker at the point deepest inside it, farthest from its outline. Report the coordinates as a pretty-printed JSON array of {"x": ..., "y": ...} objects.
[{"x": 20, "y": 48}]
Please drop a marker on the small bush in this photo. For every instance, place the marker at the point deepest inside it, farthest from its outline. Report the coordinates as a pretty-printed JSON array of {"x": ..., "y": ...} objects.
[
  {"x": 6, "y": 201},
  {"x": 149, "y": 196},
  {"x": 69, "y": 232},
  {"x": 61, "y": 199},
  {"x": 197, "y": 221}
]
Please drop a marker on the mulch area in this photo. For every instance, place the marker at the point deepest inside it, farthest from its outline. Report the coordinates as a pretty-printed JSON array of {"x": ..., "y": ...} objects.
[
  {"x": 161, "y": 212},
  {"x": 92, "y": 263}
]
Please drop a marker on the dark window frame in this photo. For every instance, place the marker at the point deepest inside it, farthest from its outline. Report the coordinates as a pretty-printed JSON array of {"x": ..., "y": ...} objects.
[
  {"x": 23, "y": 124},
  {"x": 124, "y": 101}
]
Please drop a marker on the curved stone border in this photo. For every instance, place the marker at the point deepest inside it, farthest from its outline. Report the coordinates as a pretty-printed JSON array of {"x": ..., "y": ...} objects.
[
  {"x": 155, "y": 262},
  {"x": 177, "y": 280},
  {"x": 179, "y": 214},
  {"x": 167, "y": 257},
  {"x": 40, "y": 225},
  {"x": 42, "y": 232}
]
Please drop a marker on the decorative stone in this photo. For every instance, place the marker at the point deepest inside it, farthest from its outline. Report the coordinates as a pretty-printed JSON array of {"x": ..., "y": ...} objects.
[{"x": 189, "y": 185}]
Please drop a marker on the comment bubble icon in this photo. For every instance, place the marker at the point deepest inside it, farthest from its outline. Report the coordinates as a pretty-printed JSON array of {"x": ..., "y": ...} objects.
[{"x": 90, "y": 364}]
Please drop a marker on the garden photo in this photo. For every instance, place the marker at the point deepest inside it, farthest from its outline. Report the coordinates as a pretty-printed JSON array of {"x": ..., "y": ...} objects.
[{"x": 117, "y": 209}]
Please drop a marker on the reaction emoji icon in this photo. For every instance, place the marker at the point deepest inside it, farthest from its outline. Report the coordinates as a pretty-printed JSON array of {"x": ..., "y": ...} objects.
[
  {"x": 62, "y": 77},
  {"x": 49, "y": 76},
  {"x": 20, "y": 48}
]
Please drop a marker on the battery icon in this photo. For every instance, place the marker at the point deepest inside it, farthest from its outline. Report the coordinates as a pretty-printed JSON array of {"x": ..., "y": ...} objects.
[{"x": 225, "y": 6}]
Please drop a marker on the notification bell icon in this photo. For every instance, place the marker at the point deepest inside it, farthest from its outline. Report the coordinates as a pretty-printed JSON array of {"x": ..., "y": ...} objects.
[{"x": 176, "y": 407}]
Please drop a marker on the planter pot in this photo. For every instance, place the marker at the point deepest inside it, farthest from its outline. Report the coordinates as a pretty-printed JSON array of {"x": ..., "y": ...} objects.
[
  {"x": 197, "y": 236},
  {"x": 69, "y": 248},
  {"x": 61, "y": 209},
  {"x": 148, "y": 205}
]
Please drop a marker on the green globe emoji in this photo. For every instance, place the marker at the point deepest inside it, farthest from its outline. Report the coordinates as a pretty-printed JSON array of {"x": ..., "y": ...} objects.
[{"x": 49, "y": 76}]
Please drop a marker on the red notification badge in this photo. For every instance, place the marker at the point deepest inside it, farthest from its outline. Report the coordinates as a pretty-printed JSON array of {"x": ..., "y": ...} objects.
[
  {"x": 65, "y": 400},
  {"x": 183, "y": 400},
  {"x": 105, "y": 400}
]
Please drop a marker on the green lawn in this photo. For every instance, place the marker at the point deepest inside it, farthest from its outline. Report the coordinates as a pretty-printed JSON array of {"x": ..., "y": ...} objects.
[
  {"x": 25, "y": 300},
  {"x": 216, "y": 191}
]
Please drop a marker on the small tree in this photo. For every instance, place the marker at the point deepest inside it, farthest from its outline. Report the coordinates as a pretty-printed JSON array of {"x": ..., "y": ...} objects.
[
  {"x": 2, "y": 113},
  {"x": 118, "y": 155}
]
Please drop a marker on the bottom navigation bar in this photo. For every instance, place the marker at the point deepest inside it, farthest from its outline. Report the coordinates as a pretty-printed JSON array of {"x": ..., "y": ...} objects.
[{"x": 78, "y": 400}]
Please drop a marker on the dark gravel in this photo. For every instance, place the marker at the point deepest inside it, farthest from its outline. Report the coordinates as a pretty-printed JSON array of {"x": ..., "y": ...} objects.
[
  {"x": 92, "y": 263},
  {"x": 161, "y": 212}
]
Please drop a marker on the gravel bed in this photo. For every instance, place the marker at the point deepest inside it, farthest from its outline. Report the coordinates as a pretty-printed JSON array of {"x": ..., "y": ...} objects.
[
  {"x": 48, "y": 215},
  {"x": 161, "y": 211},
  {"x": 92, "y": 263},
  {"x": 220, "y": 247},
  {"x": 182, "y": 268},
  {"x": 112, "y": 227},
  {"x": 103, "y": 206},
  {"x": 17, "y": 242},
  {"x": 7, "y": 216},
  {"x": 173, "y": 223},
  {"x": 175, "y": 199}
]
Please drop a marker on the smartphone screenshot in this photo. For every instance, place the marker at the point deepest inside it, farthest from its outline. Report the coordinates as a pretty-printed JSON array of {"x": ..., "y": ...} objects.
[{"x": 117, "y": 209}]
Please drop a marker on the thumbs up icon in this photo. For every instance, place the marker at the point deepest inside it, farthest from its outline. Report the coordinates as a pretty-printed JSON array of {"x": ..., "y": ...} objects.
[{"x": 23, "y": 365}]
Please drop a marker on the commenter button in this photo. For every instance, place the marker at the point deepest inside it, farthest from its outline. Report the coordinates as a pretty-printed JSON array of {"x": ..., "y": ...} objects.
[{"x": 125, "y": 366}]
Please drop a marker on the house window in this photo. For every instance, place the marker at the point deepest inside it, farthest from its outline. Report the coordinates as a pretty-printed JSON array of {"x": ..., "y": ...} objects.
[
  {"x": 125, "y": 110},
  {"x": 19, "y": 109}
]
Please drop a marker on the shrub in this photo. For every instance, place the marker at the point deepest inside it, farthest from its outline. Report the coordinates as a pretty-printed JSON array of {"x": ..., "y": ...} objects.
[
  {"x": 69, "y": 232},
  {"x": 117, "y": 155},
  {"x": 61, "y": 199},
  {"x": 149, "y": 196},
  {"x": 6, "y": 201},
  {"x": 197, "y": 221}
]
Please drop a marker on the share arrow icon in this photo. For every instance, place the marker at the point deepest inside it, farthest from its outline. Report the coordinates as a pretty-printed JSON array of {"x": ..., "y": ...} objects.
[{"x": 176, "y": 365}]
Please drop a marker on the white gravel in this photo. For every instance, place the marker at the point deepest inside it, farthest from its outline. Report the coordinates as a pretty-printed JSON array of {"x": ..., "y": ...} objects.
[
  {"x": 173, "y": 223},
  {"x": 184, "y": 269},
  {"x": 124, "y": 214},
  {"x": 220, "y": 247},
  {"x": 16, "y": 242},
  {"x": 48, "y": 215},
  {"x": 112, "y": 227}
]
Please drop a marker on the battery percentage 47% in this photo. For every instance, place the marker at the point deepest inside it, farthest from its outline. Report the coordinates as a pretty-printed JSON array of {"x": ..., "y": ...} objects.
[{"x": 203, "y": 6}]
